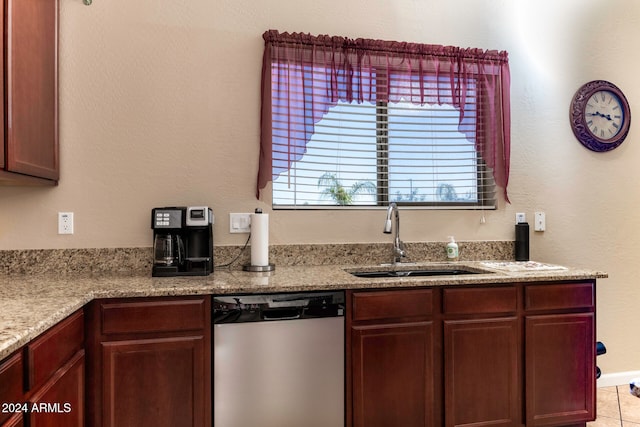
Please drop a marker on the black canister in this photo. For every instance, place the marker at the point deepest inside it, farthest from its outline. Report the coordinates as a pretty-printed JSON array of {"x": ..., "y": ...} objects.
[{"x": 522, "y": 241}]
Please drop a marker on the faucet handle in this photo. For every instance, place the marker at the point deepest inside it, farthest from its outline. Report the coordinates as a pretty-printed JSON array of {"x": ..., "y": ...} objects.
[{"x": 399, "y": 251}]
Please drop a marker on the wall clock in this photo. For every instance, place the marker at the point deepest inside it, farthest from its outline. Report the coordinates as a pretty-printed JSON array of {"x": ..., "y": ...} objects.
[{"x": 600, "y": 115}]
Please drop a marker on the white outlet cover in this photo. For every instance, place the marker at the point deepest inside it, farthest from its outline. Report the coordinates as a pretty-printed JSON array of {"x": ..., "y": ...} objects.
[{"x": 65, "y": 222}]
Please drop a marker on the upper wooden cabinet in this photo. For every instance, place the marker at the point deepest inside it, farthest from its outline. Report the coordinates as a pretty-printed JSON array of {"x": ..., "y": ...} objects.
[{"x": 29, "y": 147}]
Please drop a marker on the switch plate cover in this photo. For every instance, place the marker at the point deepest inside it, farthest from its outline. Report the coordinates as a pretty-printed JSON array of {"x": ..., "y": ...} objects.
[
  {"x": 239, "y": 223},
  {"x": 540, "y": 222}
]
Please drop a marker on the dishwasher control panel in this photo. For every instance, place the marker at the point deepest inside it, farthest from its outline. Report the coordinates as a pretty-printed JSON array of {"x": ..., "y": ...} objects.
[{"x": 268, "y": 307}]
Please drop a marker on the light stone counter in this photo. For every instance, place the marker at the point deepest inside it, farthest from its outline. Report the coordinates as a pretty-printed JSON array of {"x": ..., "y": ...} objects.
[{"x": 31, "y": 304}]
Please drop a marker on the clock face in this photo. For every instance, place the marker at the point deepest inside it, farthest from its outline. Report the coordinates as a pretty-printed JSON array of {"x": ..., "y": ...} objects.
[
  {"x": 600, "y": 116},
  {"x": 604, "y": 115}
]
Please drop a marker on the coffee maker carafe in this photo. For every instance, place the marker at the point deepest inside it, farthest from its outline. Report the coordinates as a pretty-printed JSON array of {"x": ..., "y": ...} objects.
[
  {"x": 168, "y": 249},
  {"x": 182, "y": 241}
]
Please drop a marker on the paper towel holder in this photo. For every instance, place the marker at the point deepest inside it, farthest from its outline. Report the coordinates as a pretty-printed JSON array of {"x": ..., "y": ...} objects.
[{"x": 258, "y": 268}]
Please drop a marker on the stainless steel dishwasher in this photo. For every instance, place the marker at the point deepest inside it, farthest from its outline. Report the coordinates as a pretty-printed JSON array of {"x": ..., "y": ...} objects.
[{"x": 279, "y": 360}]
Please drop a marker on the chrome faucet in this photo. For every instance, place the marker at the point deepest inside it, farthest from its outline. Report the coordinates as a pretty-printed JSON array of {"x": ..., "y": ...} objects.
[{"x": 398, "y": 245}]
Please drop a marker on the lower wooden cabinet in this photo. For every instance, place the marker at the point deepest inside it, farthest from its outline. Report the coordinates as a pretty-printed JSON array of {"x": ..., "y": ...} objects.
[
  {"x": 481, "y": 372},
  {"x": 60, "y": 401},
  {"x": 11, "y": 389},
  {"x": 56, "y": 380},
  {"x": 44, "y": 382},
  {"x": 559, "y": 338},
  {"x": 555, "y": 376},
  {"x": 391, "y": 365},
  {"x": 507, "y": 355},
  {"x": 158, "y": 382},
  {"x": 17, "y": 420},
  {"x": 150, "y": 362},
  {"x": 392, "y": 369}
]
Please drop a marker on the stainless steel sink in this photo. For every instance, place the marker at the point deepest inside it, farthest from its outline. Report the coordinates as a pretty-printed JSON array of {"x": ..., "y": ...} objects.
[{"x": 415, "y": 273}]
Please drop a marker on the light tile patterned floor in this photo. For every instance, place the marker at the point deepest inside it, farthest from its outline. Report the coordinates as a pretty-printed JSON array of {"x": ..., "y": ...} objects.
[{"x": 616, "y": 408}]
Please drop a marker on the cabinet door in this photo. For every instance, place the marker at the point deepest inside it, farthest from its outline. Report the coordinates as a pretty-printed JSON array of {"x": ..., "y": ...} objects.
[
  {"x": 31, "y": 81},
  {"x": 392, "y": 375},
  {"x": 560, "y": 369},
  {"x": 481, "y": 372},
  {"x": 154, "y": 382},
  {"x": 17, "y": 420},
  {"x": 11, "y": 384},
  {"x": 47, "y": 353},
  {"x": 60, "y": 401}
]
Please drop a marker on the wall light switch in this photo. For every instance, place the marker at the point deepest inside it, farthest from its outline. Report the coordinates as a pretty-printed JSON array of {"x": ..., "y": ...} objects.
[
  {"x": 540, "y": 222},
  {"x": 239, "y": 223}
]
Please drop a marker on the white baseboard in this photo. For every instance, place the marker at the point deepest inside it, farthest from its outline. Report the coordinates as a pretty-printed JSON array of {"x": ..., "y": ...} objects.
[{"x": 617, "y": 378}]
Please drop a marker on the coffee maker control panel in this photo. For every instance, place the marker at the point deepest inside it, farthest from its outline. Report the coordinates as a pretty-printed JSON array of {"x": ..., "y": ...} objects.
[
  {"x": 198, "y": 216},
  {"x": 167, "y": 218}
]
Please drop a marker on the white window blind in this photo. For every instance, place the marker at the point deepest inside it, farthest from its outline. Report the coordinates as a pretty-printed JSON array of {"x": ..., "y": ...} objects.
[{"x": 365, "y": 154}]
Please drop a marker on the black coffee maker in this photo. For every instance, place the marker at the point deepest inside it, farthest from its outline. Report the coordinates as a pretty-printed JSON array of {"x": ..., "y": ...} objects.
[{"x": 182, "y": 241}]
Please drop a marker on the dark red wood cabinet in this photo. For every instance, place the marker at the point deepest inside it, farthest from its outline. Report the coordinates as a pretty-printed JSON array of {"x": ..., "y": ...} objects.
[
  {"x": 29, "y": 144},
  {"x": 560, "y": 354},
  {"x": 11, "y": 389},
  {"x": 481, "y": 356},
  {"x": 55, "y": 375},
  {"x": 149, "y": 362},
  {"x": 46, "y": 378},
  {"x": 391, "y": 359},
  {"x": 503, "y": 355}
]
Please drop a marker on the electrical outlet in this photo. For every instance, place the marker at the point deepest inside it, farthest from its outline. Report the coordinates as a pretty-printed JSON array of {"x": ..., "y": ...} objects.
[
  {"x": 65, "y": 222},
  {"x": 521, "y": 217},
  {"x": 239, "y": 223}
]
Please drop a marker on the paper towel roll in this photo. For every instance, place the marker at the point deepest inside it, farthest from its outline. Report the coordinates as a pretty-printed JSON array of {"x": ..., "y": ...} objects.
[{"x": 259, "y": 239}]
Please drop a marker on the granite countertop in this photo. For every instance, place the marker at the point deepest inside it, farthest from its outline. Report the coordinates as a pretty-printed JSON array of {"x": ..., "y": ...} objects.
[{"x": 31, "y": 304}]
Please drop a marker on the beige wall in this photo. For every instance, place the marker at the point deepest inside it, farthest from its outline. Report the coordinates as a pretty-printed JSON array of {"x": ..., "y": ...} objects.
[{"x": 159, "y": 103}]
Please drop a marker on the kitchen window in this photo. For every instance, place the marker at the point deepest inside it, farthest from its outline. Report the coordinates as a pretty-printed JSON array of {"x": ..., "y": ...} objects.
[{"x": 364, "y": 123}]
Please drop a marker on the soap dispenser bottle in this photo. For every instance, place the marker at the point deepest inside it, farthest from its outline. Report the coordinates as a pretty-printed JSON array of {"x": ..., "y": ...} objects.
[{"x": 452, "y": 249}]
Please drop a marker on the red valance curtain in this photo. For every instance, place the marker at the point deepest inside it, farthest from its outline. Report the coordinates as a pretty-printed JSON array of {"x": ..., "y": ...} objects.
[{"x": 303, "y": 76}]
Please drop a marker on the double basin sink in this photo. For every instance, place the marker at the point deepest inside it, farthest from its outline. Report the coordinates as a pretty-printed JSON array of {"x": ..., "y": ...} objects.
[{"x": 421, "y": 271}]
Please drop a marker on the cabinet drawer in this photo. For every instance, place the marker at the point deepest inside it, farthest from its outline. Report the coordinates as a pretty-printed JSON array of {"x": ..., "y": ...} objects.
[
  {"x": 50, "y": 351},
  {"x": 559, "y": 296},
  {"x": 392, "y": 304},
  {"x": 11, "y": 380},
  {"x": 480, "y": 300},
  {"x": 153, "y": 316}
]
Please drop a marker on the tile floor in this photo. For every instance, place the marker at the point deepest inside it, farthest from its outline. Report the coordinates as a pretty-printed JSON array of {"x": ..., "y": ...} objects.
[{"x": 616, "y": 407}]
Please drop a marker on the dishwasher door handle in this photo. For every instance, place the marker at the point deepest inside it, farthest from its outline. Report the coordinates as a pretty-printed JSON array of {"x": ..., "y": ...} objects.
[{"x": 292, "y": 313}]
